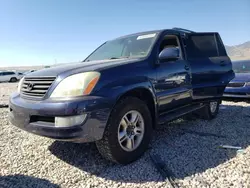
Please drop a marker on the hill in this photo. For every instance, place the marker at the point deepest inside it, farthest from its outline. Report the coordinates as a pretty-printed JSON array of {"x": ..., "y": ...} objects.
[{"x": 239, "y": 52}]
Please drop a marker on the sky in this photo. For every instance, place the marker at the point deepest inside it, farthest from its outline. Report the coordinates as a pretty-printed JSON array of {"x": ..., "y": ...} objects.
[{"x": 43, "y": 32}]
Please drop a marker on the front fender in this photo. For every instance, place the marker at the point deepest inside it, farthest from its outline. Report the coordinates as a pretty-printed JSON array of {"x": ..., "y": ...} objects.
[
  {"x": 117, "y": 90},
  {"x": 119, "y": 87}
]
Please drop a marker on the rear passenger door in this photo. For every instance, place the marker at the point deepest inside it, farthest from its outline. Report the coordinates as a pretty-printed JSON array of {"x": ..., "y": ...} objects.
[
  {"x": 7, "y": 76},
  {"x": 210, "y": 66}
]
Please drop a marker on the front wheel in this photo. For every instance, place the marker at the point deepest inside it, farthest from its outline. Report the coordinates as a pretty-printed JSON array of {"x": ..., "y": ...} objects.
[{"x": 128, "y": 131}]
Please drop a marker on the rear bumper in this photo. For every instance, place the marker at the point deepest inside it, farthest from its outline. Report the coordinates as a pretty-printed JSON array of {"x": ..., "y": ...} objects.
[{"x": 92, "y": 129}]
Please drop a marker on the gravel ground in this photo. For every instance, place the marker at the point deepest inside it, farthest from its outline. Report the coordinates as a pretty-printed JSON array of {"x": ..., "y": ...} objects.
[
  {"x": 5, "y": 90},
  {"x": 188, "y": 148}
]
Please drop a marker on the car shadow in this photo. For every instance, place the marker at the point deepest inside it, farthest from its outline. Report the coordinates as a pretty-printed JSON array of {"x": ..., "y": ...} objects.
[
  {"x": 186, "y": 148},
  {"x": 23, "y": 181}
]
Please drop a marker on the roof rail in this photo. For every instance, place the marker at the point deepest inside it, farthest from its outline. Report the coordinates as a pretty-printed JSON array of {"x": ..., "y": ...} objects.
[{"x": 183, "y": 30}]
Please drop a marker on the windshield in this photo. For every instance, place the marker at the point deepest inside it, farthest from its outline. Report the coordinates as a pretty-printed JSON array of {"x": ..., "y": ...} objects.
[
  {"x": 126, "y": 47},
  {"x": 241, "y": 67}
]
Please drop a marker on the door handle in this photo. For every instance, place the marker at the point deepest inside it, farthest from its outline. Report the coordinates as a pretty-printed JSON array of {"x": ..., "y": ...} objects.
[{"x": 186, "y": 67}]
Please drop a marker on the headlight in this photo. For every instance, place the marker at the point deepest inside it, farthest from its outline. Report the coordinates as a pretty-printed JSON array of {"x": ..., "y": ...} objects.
[
  {"x": 20, "y": 85},
  {"x": 247, "y": 84},
  {"x": 76, "y": 85}
]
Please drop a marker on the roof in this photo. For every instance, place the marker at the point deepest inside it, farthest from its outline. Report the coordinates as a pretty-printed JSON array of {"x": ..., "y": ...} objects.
[
  {"x": 177, "y": 29},
  {"x": 7, "y": 71}
]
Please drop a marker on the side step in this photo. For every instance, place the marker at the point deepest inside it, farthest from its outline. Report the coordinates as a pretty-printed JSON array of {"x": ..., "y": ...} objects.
[{"x": 175, "y": 114}]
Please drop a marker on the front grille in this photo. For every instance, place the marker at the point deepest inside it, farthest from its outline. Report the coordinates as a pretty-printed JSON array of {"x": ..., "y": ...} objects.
[
  {"x": 236, "y": 84},
  {"x": 36, "y": 87}
]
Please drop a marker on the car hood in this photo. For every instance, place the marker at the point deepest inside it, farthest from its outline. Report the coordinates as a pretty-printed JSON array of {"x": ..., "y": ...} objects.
[
  {"x": 81, "y": 67},
  {"x": 245, "y": 77}
]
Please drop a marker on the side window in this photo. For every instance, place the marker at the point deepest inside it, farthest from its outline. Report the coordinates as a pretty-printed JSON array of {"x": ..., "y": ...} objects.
[
  {"x": 8, "y": 73},
  {"x": 202, "y": 46},
  {"x": 170, "y": 41}
]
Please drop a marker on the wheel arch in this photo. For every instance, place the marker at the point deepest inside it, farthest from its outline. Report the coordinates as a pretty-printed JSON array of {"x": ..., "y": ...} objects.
[{"x": 145, "y": 94}]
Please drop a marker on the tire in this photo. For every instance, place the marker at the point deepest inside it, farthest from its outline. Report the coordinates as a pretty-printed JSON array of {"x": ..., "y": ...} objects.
[
  {"x": 110, "y": 147},
  {"x": 209, "y": 112},
  {"x": 13, "y": 79}
]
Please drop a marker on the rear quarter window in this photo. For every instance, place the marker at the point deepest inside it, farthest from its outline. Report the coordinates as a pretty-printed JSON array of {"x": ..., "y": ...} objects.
[{"x": 8, "y": 73}]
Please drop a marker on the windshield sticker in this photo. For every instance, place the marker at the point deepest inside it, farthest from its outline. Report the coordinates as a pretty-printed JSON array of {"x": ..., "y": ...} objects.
[{"x": 146, "y": 36}]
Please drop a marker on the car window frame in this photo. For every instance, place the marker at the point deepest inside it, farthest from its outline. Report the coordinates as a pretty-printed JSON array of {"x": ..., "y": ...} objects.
[{"x": 179, "y": 41}]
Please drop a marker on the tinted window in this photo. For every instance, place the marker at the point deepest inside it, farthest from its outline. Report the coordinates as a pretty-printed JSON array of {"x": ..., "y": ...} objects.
[
  {"x": 200, "y": 46},
  {"x": 8, "y": 73}
]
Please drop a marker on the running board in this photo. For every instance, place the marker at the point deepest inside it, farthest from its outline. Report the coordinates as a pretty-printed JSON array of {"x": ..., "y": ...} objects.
[{"x": 175, "y": 114}]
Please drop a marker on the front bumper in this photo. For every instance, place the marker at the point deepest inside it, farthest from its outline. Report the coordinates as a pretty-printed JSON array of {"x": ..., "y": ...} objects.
[
  {"x": 237, "y": 92},
  {"x": 97, "y": 109}
]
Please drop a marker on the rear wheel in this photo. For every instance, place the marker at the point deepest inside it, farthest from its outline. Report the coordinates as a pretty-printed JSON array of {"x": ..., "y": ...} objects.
[
  {"x": 210, "y": 111},
  {"x": 13, "y": 79},
  {"x": 128, "y": 131}
]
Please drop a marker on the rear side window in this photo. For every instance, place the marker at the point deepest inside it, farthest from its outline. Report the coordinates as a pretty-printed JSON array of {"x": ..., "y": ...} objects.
[
  {"x": 205, "y": 46},
  {"x": 8, "y": 73},
  {"x": 200, "y": 46}
]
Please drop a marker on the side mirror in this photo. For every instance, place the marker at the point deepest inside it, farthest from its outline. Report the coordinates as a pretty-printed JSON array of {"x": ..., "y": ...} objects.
[{"x": 169, "y": 54}]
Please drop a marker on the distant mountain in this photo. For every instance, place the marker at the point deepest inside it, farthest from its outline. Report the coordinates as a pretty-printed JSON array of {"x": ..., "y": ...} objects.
[{"x": 239, "y": 52}]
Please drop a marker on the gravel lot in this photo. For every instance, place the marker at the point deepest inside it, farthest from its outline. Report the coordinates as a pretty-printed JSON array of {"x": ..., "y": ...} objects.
[
  {"x": 5, "y": 90},
  {"x": 188, "y": 148}
]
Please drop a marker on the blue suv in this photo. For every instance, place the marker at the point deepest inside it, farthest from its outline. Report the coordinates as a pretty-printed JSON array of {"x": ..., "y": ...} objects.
[{"x": 124, "y": 89}]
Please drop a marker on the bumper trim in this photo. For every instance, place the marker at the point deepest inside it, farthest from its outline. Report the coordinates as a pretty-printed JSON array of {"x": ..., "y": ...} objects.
[
  {"x": 236, "y": 96},
  {"x": 97, "y": 109}
]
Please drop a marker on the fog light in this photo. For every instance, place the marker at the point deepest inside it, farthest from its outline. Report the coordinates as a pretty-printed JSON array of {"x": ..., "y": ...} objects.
[{"x": 69, "y": 120}]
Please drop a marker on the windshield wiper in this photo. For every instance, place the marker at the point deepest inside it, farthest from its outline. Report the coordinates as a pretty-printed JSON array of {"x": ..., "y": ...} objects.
[{"x": 122, "y": 57}]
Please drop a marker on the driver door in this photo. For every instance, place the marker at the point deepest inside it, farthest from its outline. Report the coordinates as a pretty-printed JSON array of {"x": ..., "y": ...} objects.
[{"x": 173, "y": 87}]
